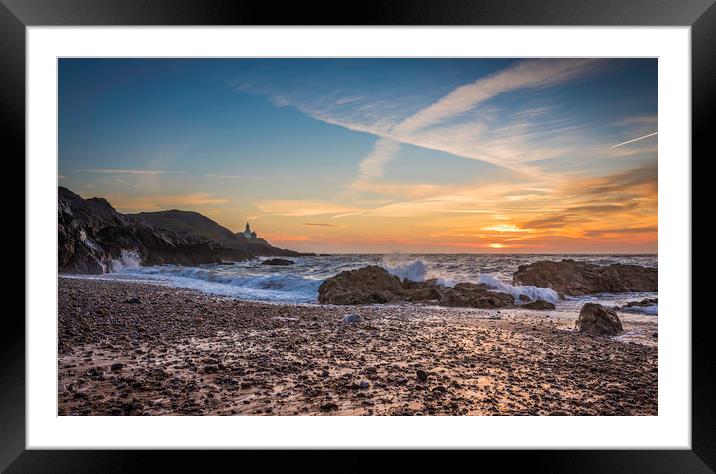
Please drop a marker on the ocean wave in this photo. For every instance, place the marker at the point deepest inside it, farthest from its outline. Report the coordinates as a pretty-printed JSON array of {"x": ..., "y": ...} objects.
[
  {"x": 299, "y": 282},
  {"x": 532, "y": 292},
  {"x": 264, "y": 282},
  {"x": 417, "y": 270},
  {"x": 414, "y": 270},
  {"x": 128, "y": 260}
]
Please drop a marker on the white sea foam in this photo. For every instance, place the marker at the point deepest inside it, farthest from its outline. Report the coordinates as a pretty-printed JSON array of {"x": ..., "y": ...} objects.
[
  {"x": 532, "y": 292},
  {"x": 417, "y": 270},
  {"x": 414, "y": 270},
  {"x": 128, "y": 260}
]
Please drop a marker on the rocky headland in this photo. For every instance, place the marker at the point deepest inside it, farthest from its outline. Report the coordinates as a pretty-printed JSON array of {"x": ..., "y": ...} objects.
[{"x": 92, "y": 234}]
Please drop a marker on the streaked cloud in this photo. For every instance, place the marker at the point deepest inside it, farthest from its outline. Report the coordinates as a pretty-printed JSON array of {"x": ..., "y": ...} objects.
[
  {"x": 528, "y": 73},
  {"x": 223, "y": 176},
  {"x": 302, "y": 208},
  {"x": 128, "y": 171},
  {"x": 164, "y": 202}
]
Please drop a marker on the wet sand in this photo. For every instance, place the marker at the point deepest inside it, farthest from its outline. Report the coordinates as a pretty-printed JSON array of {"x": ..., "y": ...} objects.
[{"x": 142, "y": 349}]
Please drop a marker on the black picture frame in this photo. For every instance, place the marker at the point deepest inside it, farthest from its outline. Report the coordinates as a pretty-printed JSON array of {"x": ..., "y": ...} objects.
[{"x": 16, "y": 15}]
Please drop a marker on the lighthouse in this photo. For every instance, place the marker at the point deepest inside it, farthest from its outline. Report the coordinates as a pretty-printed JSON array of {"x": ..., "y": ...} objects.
[{"x": 248, "y": 234}]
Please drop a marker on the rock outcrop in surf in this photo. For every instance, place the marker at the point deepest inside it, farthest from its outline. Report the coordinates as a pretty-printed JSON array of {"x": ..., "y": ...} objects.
[
  {"x": 91, "y": 234},
  {"x": 374, "y": 284},
  {"x": 572, "y": 278}
]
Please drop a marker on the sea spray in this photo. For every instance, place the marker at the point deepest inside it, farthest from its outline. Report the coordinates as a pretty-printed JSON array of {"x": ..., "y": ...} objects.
[
  {"x": 414, "y": 270},
  {"x": 417, "y": 270},
  {"x": 128, "y": 260},
  {"x": 532, "y": 292}
]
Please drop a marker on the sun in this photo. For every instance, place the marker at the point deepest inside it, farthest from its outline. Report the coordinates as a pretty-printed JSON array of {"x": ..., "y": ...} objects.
[{"x": 496, "y": 246}]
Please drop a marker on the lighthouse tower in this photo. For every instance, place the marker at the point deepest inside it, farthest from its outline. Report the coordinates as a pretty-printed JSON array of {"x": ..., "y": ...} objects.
[{"x": 248, "y": 234}]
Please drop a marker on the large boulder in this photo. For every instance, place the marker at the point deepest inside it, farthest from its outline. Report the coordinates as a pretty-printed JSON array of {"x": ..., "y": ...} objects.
[
  {"x": 572, "y": 278},
  {"x": 373, "y": 284},
  {"x": 598, "y": 320},
  {"x": 365, "y": 285}
]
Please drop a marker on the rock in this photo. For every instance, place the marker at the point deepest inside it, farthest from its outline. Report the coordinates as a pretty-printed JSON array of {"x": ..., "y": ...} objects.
[
  {"x": 351, "y": 318},
  {"x": 570, "y": 277},
  {"x": 277, "y": 262},
  {"x": 134, "y": 300},
  {"x": 421, "y": 375},
  {"x": 597, "y": 320},
  {"x": 637, "y": 306},
  {"x": 95, "y": 372},
  {"x": 468, "y": 295},
  {"x": 366, "y": 285},
  {"x": 328, "y": 407},
  {"x": 373, "y": 284},
  {"x": 539, "y": 304},
  {"x": 363, "y": 384},
  {"x": 116, "y": 366}
]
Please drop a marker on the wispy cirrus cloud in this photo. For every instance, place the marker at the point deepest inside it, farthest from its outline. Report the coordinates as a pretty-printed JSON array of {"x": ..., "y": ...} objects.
[
  {"x": 460, "y": 122},
  {"x": 223, "y": 176},
  {"x": 528, "y": 73},
  {"x": 127, "y": 171},
  {"x": 302, "y": 208},
  {"x": 164, "y": 201}
]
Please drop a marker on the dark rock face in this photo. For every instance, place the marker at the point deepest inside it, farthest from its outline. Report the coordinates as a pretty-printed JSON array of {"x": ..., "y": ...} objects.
[
  {"x": 597, "y": 320},
  {"x": 91, "y": 233},
  {"x": 373, "y": 284},
  {"x": 539, "y": 304},
  {"x": 470, "y": 295},
  {"x": 638, "y": 304},
  {"x": 277, "y": 262},
  {"x": 366, "y": 285},
  {"x": 569, "y": 277}
]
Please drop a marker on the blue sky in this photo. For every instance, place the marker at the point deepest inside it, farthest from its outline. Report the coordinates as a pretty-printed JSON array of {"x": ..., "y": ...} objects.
[{"x": 371, "y": 147}]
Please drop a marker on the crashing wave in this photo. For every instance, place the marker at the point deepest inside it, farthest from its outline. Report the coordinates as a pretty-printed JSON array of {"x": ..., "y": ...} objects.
[
  {"x": 128, "y": 260},
  {"x": 414, "y": 270},
  {"x": 532, "y": 292},
  {"x": 417, "y": 270}
]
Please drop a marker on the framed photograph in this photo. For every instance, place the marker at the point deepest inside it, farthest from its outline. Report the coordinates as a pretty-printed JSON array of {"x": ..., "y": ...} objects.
[{"x": 426, "y": 225}]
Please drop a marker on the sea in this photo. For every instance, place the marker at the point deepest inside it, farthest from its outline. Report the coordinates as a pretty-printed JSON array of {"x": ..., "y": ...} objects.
[{"x": 298, "y": 283}]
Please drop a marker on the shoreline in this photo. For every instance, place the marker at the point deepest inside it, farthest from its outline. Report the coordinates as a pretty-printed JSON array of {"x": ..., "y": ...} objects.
[{"x": 186, "y": 352}]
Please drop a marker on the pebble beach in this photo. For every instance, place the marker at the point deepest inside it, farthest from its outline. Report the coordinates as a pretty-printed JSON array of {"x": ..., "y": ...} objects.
[{"x": 128, "y": 348}]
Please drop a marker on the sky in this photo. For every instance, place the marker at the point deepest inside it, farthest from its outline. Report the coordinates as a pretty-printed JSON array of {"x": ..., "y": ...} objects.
[{"x": 375, "y": 155}]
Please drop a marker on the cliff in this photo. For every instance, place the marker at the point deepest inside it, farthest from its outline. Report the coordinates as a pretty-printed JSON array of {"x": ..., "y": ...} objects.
[{"x": 91, "y": 233}]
